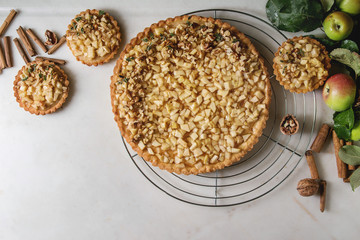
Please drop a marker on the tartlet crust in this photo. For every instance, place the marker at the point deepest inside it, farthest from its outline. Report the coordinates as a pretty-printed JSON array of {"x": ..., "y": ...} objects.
[
  {"x": 55, "y": 106},
  {"x": 98, "y": 60},
  {"x": 319, "y": 83},
  {"x": 172, "y": 167}
]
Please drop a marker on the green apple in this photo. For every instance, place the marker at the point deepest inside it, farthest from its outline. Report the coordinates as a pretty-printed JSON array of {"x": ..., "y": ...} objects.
[
  {"x": 351, "y": 7},
  {"x": 338, "y": 25},
  {"x": 355, "y": 132},
  {"x": 339, "y": 92}
]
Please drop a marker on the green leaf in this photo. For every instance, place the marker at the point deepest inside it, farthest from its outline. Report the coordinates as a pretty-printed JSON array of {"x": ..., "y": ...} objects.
[
  {"x": 350, "y": 45},
  {"x": 295, "y": 15},
  {"x": 350, "y": 154},
  {"x": 327, "y": 4},
  {"x": 345, "y": 56},
  {"x": 101, "y": 12},
  {"x": 345, "y": 118},
  {"x": 327, "y": 42},
  {"x": 342, "y": 132},
  {"x": 337, "y": 67},
  {"x": 343, "y": 123},
  {"x": 355, "y": 179}
]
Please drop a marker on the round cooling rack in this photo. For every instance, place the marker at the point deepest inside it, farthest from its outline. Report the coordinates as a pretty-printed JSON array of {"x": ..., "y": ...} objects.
[{"x": 272, "y": 159}]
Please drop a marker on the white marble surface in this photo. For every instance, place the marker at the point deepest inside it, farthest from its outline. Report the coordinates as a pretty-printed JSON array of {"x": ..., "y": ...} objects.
[{"x": 67, "y": 175}]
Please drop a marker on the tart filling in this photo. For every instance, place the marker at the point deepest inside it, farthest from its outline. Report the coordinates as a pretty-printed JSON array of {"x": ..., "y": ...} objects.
[
  {"x": 190, "y": 94},
  {"x": 93, "y": 37},
  {"x": 301, "y": 64},
  {"x": 41, "y": 87}
]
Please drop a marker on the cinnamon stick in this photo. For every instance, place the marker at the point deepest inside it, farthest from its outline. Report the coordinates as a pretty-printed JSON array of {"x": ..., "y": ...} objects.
[
  {"x": 36, "y": 40},
  {"x": 2, "y": 59},
  {"x": 341, "y": 166},
  {"x": 7, "y": 49},
  {"x": 320, "y": 138},
  {"x": 21, "y": 51},
  {"x": 56, "y": 46},
  {"x": 54, "y": 60},
  {"x": 322, "y": 195},
  {"x": 7, "y": 21},
  {"x": 312, "y": 165},
  {"x": 26, "y": 42}
]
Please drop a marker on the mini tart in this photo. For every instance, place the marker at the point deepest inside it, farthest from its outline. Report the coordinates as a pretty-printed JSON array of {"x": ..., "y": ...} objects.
[
  {"x": 41, "y": 87},
  {"x": 301, "y": 64},
  {"x": 93, "y": 37},
  {"x": 190, "y": 94}
]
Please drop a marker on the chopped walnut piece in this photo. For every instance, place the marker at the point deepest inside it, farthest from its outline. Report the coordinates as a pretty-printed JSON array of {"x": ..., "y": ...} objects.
[
  {"x": 289, "y": 125},
  {"x": 51, "y": 38}
]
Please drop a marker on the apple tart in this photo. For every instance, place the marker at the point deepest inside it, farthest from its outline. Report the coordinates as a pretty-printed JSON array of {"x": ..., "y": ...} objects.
[
  {"x": 93, "y": 37},
  {"x": 41, "y": 87},
  {"x": 190, "y": 94},
  {"x": 301, "y": 64}
]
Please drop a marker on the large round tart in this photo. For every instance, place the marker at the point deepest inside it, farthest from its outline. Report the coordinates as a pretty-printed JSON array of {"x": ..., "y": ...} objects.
[{"x": 190, "y": 94}]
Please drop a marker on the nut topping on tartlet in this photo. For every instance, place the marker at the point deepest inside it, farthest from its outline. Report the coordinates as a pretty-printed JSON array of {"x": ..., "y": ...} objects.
[
  {"x": 301, "y": 64},
  {"x": 93, "y": 37},
  {"x": 41, "y": 87}
]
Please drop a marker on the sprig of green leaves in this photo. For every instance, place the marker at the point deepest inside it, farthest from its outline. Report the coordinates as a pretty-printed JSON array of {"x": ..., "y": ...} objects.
[
  {"x": 295, "y": 15},
  {"x": 347, "y": 57},
  {"x": 343, "y": 123},
  {"x": 351, "y": 155}
]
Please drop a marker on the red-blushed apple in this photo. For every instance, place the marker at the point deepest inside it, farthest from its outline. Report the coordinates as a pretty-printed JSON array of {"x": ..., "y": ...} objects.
[
  {"x": 339, "y": 92},
  {"x": 351, "y": 7},
  {"x": 338, "y": 25}
]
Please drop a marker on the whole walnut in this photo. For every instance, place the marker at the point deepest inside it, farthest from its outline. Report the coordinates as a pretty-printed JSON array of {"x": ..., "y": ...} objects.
[{"x": 308, "y": 187}]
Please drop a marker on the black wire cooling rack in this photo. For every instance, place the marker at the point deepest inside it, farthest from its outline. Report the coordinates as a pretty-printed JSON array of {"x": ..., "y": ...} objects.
[{"x": 272, "y": 159}]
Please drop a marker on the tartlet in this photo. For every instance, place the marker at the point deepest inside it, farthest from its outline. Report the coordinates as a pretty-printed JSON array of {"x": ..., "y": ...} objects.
[
  {"x": 301, "y": 64},
  {"x": 41, "y": 87},
  {"x": 190, "y": 94},
  {"x": 93, "y": 37}
]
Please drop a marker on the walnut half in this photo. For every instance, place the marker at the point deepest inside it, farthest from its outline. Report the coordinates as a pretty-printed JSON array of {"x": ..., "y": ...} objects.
[
  {"x": 289, "y": 125},
  {"x": 51, "y": 38}
]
